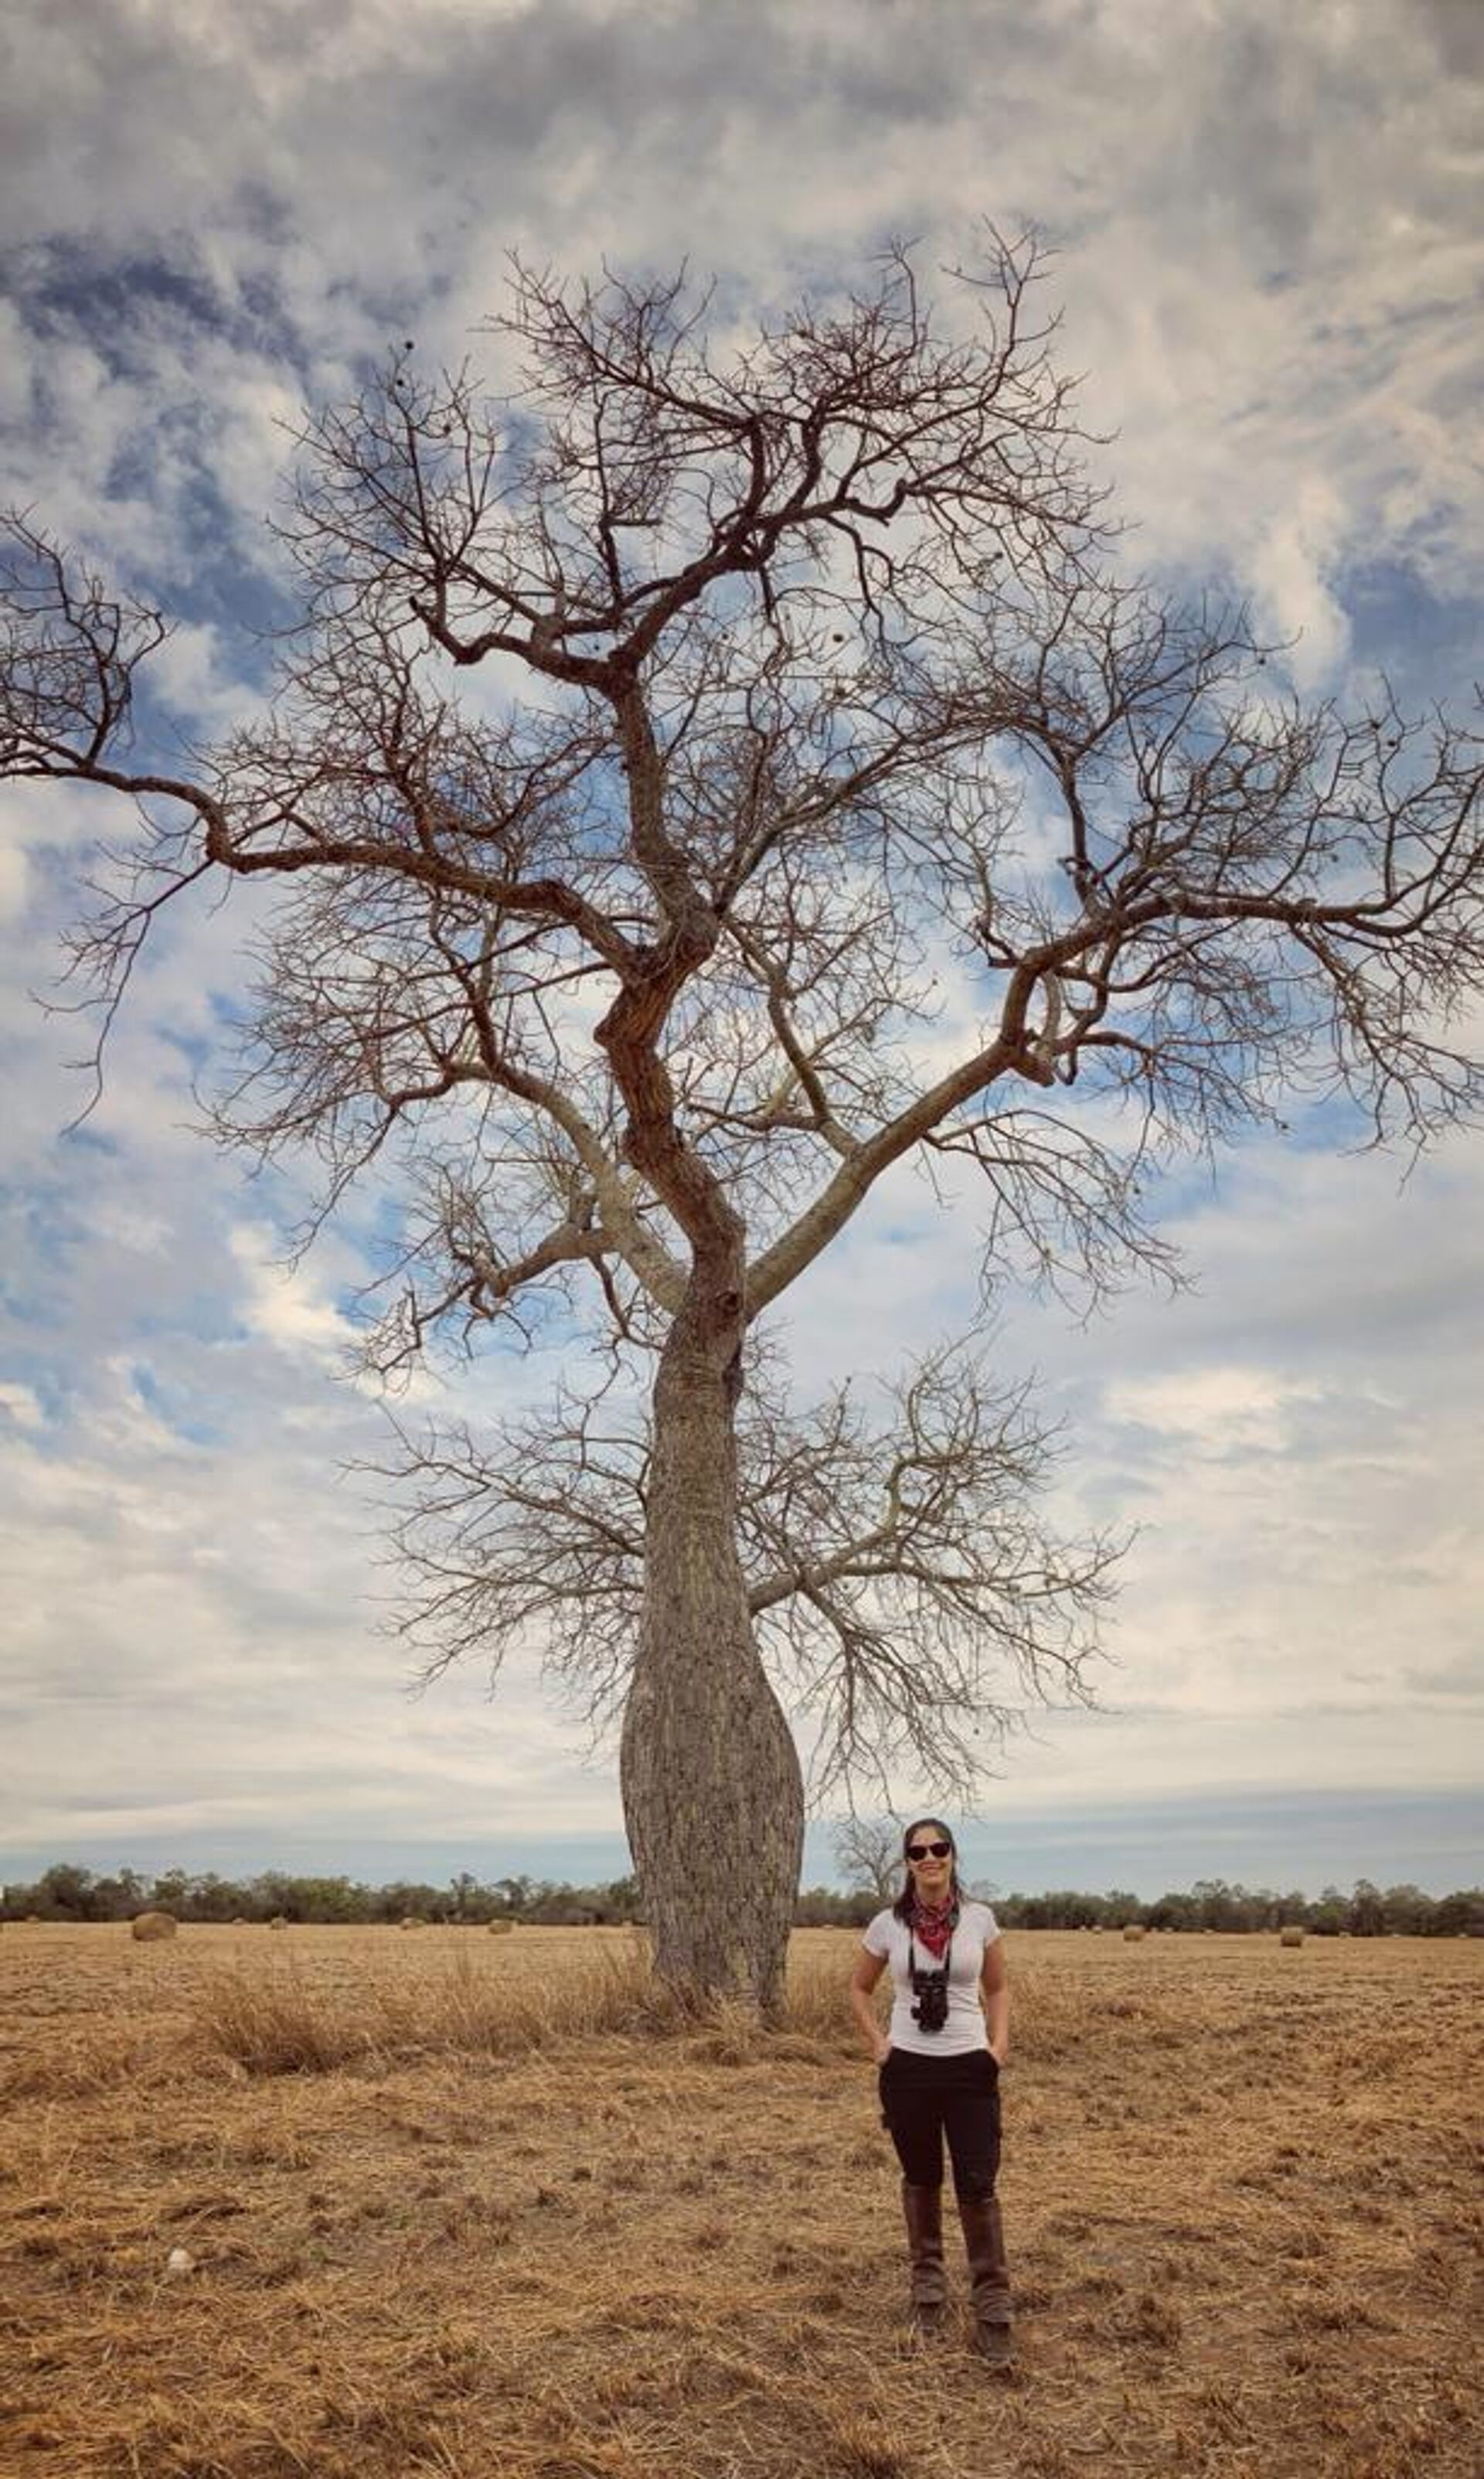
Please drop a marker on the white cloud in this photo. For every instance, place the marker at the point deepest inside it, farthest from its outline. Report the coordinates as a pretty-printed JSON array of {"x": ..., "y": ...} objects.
[
  {"x": 1209, "y": 1408},
  {"x": 1287, "y": 566},
  {"x": 285, "y": 1305},
  {"x": 20, "y": 1404}
]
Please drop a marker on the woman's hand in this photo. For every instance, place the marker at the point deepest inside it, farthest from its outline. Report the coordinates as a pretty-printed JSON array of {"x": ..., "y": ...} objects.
[{"x": 880, "y": 2049}]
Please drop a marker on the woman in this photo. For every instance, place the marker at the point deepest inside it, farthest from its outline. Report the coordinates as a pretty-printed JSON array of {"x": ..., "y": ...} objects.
[{"x": 940, "y": 2074}]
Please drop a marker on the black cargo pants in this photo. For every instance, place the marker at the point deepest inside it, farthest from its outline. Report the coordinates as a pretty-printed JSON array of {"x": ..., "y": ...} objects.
[{"x": 924, "y": 2099}]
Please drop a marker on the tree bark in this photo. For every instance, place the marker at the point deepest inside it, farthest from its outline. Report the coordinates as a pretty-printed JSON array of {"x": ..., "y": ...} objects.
[{"x": 713, "y": 1794}]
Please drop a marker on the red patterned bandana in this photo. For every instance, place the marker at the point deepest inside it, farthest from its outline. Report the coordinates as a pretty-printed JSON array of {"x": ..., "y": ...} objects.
[{"x": 933, "y": 1928}]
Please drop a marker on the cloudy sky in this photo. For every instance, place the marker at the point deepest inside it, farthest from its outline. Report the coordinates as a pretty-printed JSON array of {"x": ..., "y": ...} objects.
[{"x": 1267, "y": 220}]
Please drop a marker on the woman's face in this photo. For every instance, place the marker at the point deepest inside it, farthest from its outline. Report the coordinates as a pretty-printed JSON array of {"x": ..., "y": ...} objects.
[{"x": 930, "y": 1859}]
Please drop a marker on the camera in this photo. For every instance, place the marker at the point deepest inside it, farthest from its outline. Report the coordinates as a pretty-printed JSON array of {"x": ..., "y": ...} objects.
[{"x": 930, "y": 1989}]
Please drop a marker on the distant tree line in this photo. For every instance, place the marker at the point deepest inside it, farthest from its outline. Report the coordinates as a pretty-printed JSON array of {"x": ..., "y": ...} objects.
[
  {"x": 1366, "y": 1910},
  {"x": 65, "y": 1892},
  {"x": 70, "y": 1893},
  {"x": 1400, "y": 1910}
]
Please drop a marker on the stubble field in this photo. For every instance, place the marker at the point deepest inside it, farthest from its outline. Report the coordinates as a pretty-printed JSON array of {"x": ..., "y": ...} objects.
[{"x": 450, "y": 2209}]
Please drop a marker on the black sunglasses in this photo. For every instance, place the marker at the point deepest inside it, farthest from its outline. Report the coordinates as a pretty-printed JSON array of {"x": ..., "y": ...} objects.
[{"x": 929, "y": 1849}]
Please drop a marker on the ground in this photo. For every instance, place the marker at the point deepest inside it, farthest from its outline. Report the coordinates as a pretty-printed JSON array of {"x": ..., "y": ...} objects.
[{"x": 448, "y": 2212}]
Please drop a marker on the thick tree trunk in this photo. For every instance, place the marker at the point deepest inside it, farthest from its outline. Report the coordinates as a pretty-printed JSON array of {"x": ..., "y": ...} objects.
[{"x": 713, "y": 1795}]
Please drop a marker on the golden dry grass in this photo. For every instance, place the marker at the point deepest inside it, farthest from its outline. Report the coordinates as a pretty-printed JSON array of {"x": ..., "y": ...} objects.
[{"x": 471, "y": 2207}]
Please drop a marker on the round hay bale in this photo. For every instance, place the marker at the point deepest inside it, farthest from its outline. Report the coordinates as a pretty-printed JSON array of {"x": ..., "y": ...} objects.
[
  {"x": 1133, "y": 1935},
  {"x": 151, "y": 1927},
  {"x": 410, "y": 1922},
  {"x": 500, "y": 1928},
  {"x": 278, "y": 1921},
  {"x": 1290, "y": 1936}
]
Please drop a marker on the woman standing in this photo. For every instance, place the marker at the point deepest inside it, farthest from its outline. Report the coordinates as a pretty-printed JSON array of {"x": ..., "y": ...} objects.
[{"x": 940, "y": 2074}]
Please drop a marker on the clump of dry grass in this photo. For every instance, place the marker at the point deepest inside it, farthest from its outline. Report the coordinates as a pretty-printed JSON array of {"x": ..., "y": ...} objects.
[
  {"x": 277, "y": 2026},
  {"x": 281, "y": 2023},
  {"x": 608, "y": 1987},
  {"x": 816, "y": 2004},
  {"x": 152, "y": 1928},
  {"x": 727, "y": 2035},
  {"x": 93, "y": 2058}
]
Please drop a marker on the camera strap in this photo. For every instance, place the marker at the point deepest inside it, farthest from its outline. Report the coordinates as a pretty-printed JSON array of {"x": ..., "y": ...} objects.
[{"x": 912, "y": 1956}]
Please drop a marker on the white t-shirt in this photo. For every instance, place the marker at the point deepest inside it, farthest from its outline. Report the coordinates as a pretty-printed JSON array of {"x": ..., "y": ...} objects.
[{"x": 887, "y": 1938}]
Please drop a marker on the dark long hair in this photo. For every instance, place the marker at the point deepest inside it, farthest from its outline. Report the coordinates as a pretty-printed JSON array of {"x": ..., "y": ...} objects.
[{"x": 922, "y": 1825}]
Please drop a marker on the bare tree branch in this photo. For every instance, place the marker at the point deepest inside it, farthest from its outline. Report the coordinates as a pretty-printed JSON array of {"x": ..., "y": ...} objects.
[{"x": 908, "y": 1597}]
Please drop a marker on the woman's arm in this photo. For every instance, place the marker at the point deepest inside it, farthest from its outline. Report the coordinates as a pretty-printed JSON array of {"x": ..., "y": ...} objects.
[
  {"x": 996, "y": 1990},
  {"x": 863, "y": 1979}
]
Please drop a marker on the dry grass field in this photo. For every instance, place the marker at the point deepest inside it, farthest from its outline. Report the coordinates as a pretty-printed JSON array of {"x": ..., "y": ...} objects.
[{"x": 449, "y": 2208}]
